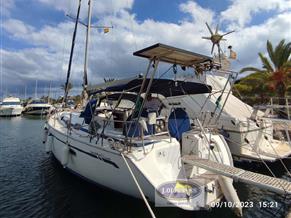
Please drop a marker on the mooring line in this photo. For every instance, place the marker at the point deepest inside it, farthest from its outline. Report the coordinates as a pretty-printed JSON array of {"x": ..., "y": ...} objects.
[{"x": 139, "y": 188}]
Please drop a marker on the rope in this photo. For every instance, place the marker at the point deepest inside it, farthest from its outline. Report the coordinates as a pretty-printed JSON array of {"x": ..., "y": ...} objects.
[{"x": 139, "y": 188}]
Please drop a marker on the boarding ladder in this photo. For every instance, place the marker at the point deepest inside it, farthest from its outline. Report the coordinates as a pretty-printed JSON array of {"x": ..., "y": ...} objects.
[{"x": 270, "y": 183}]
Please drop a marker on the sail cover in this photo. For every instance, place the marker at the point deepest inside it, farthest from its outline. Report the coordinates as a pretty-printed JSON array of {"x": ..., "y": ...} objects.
[{"x": 165, "y": 87}]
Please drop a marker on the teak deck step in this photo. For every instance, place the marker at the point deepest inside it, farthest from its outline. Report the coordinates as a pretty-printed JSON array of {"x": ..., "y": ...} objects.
[{"x": 270, "y": 183}]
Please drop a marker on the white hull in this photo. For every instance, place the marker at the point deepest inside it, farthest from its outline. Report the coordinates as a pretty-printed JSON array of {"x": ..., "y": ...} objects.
[
  {"x": 89, "y": 164},
  {"x": 37, "y": 112},
  {"x": 37, "y": 109},
  {"x": 105, "y": 166},
  {"x": 10, "y": 111}
]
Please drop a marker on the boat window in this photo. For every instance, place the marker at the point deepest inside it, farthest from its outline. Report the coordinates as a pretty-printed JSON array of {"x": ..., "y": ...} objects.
[
  {"x": 10, "y": 103},
  {"x": 124, "y": 103},
  {"x": 38, "y": 102}
]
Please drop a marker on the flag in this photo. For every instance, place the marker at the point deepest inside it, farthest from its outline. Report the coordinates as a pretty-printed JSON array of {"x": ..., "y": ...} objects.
[
  {"x": 106, "y": 30},
  {"x": 232, "y": 54},
  {"x": 182, "y": 187}
]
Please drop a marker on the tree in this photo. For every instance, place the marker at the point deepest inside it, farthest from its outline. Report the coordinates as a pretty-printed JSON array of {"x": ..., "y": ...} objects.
[
  {"x": 70, "y": 86},
  {"x": 254, "y": 87},
  {"x": 277, "y": 67}
]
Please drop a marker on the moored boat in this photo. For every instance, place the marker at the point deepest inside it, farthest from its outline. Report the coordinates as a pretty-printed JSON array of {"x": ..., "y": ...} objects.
[
  {"x": 37, "y": 107},
  {"x": 134, "y": 137},
  {"x": 11, "y": 106}
]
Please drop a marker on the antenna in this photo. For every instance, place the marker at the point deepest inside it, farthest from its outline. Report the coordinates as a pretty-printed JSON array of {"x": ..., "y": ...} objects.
[{"x": 215, "y": 38}]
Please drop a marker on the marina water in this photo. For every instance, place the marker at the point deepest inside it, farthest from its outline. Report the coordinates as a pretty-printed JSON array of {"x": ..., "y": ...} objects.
[{"x": 34, "y": 184}]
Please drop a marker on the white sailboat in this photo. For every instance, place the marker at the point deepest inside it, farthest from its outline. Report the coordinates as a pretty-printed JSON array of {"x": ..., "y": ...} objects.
[
  {"x": 165, "y": 157},
  {"x": 95, "y": 144},
  {"x": 109, "y": 144},
  {"x": 11, "y": 106},
  {"x": 164, "y": 152}
]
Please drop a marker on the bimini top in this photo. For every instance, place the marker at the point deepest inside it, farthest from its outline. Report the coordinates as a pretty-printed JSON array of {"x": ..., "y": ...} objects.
[
  {"x": 165, "y": 87},
  {"x": 172, "y": 55}
]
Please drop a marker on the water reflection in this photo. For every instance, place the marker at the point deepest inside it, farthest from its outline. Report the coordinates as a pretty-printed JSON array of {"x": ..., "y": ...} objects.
[{"x": 34, "y": 184}]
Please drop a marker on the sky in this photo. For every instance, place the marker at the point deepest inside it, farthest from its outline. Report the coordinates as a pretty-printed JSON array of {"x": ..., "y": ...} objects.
[{"x": 36, "y": 36}]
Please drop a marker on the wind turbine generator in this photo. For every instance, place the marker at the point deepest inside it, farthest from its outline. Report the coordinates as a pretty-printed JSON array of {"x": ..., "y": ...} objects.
[{"x": 215, "y": 39}]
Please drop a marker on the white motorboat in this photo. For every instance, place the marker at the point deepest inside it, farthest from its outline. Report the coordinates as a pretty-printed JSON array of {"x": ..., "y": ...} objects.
[
  {"x": 11, "y": 106},
  {"x": 37, "y": 107},
  {"x": 247, "y": 130}
]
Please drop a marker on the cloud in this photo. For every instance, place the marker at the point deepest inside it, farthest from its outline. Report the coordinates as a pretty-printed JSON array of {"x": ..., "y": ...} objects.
[
  {"x": 240, "y": 13},
  {"x": 251, "y": 40},
  {"x": 199, "y": 15},
  {"x": 111, "y": 54},
  {"x": 6, "y": 6},
  {"x": 17, "y": 27},
  {"x": 30, "y": 64},
  {"x": 99, "y": 7}
]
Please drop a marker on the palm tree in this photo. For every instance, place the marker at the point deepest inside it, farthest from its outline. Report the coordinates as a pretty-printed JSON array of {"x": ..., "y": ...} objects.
[{"x": 277, "y": 68}]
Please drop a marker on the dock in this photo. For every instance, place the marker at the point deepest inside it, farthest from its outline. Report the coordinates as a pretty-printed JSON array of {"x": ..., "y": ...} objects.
[{"x": 267, "y": 182}]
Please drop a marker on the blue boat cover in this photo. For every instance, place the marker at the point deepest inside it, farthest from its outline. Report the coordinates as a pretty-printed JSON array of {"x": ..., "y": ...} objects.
[
  {"x": 89, "y": 110},
  {"x": 165, "y": 87},
  {"x": 133, "y": 129},
  {"x": 178, "y": 123}
]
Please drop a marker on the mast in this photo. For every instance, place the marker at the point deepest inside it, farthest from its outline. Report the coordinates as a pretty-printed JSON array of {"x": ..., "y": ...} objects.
[
  {"x": 49, "y": 92},
  {"x": 71, "y": 56},
  {"x": 85, "y": 79},
  {"x": 1, "y": 79},
  {"x": 25, "y": 92},
  {"x": 35, "y": 93}
]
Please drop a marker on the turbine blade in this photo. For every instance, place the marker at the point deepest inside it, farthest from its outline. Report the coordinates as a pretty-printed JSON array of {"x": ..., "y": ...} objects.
[
  {"x": 204, "y": 37},
  {"x": 216, "y": 31},
  {"x": 209, "y": 28},
  {"x": 212, "y": 48},
  {"x": 228, "y": 33}
]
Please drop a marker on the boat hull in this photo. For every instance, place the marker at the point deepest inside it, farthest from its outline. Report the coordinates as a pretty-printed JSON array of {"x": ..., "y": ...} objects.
[
  {"x": 36, "y": 111},
  {"x": 10, "y": 111},
  {"x": 157, "y": 165},
  {"x": 105, "y": 168}
]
